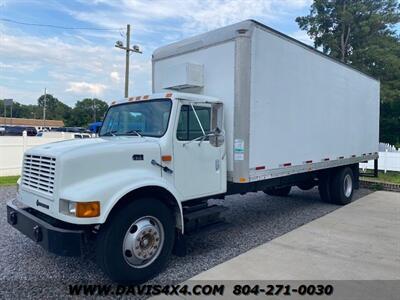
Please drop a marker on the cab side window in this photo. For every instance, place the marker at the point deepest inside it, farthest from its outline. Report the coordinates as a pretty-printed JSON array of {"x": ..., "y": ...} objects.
[{"x": 188, "y": 127}]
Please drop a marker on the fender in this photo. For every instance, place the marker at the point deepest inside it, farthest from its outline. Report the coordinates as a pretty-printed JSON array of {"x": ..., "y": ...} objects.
[{"x": 111, "y": 188}]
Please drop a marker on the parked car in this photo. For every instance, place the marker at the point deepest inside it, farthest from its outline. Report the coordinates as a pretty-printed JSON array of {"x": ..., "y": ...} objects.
[
  {"x": 18, "y": 131},
  {"x": 71, "y": 129},
  {"x": 65, "y": 135},
  {"x": 95, "y": 127}
]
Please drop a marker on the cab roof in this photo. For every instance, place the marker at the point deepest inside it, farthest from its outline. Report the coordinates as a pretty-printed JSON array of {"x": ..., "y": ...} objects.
[{"x": 168, "y": 94}]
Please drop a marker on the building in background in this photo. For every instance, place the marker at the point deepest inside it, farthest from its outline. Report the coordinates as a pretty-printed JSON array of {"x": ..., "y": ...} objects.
[{"x": 37, "y": 123}]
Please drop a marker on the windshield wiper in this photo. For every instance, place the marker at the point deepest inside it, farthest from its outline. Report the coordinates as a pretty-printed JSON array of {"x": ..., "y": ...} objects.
[
  {"x": 134, "y": 132},
  {"x": 110, "y": 133}
]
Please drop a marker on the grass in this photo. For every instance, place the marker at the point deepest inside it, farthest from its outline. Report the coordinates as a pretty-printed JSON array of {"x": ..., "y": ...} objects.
[
  {"x": 389, "y": 176},
  {"x": 8, "y": 180}
]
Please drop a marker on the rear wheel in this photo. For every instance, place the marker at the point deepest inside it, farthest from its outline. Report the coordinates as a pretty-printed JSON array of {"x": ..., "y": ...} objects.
[
  {"x": 342, "y": 186},
  {"x": 135, "y": 244},
  {"x": 281, "y": 192}
]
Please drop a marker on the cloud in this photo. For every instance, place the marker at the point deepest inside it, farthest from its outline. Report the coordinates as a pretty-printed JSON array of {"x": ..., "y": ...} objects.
[
  {"x": 27, "y": 97},
  {"x": 115, "y": 76},
  {"x": 195, "y": 15},
  {"x": 87, "y": 63},
  {"x": 86, "y": 88}
]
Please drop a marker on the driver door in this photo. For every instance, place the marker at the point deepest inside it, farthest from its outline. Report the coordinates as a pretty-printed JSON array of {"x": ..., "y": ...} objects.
[{"x": 197, "y": 163}]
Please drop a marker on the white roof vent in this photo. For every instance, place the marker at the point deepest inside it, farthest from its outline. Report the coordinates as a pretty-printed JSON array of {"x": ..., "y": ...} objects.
[{"x": 183, "y": 76}]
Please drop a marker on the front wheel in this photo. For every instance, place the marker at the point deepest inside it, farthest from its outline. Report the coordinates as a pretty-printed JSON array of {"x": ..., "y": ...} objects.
[{"x": 135, "y": 244}]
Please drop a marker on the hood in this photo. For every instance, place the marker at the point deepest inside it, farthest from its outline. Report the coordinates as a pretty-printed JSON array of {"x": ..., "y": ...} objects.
[
  {"x": 86, "y": 145},
  {"x": 80, "y": 160}
]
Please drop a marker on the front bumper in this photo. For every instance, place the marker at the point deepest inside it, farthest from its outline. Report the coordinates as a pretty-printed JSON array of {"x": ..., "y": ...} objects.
[{"x": 54, "y": 236}]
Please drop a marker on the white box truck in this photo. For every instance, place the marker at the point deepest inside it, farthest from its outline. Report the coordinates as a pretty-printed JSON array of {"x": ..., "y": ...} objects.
[{"x": 239, "y": 109}]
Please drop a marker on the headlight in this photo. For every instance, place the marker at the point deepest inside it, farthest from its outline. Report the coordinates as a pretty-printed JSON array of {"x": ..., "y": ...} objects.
[{"x": 80, "y": 209}]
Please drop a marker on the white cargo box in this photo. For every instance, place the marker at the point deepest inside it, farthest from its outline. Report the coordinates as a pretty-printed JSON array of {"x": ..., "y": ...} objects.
[{"x": 288, "y": 107}]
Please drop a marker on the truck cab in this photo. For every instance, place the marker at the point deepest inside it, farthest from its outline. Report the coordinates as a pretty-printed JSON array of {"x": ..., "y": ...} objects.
[{"x": 155, "y": 151}]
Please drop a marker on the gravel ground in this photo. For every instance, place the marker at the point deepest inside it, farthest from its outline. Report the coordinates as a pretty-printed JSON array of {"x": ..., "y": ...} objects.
[{"x": 252, "y": 219}]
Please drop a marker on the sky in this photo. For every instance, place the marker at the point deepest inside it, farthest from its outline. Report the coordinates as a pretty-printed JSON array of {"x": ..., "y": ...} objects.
[{"x": 77, "y": 64}]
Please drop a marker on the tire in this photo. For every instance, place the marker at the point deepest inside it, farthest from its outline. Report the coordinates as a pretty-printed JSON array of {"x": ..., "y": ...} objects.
[
  {"x": 342, "y": 186},
  {"x": 324, "y": 186},
  {"x": 135, "y": 227},
  {"x": 280, "y": 192},
  {"x": 305, "y": 186}
]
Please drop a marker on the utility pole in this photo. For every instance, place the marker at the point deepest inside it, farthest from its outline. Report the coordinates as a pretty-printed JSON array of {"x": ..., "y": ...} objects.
[
  {"x": 44, "y": 108},
  {"x": 7, "y": 102},
  {"x": 4, "y": 104},
  {"x": 94, "y": 110},
  {"x": 128, "y": 41},
  {"x": 135, "y": 49}
]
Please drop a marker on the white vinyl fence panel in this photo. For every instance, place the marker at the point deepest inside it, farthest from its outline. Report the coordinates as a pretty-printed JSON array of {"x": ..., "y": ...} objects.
[
  {"x": 12, "y": 149},
  {"x": 388, "y": 161}
]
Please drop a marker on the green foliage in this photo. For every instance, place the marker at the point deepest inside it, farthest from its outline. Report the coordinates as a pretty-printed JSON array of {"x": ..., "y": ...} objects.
[
  {"x": 361, "y": 33},
  {"x": 388, "y": 177},
  {"x": 55, "y": 109},
  {"x": 87, "y": 111},
  {"x": 81, "y": 115}
]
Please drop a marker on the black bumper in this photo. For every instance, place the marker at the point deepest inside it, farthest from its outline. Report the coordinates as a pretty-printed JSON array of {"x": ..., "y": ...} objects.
[{"x": 57, "y": 240}]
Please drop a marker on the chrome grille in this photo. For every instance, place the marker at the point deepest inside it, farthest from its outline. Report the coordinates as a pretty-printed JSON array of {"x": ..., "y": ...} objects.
[{"x": 38, "y": 173}]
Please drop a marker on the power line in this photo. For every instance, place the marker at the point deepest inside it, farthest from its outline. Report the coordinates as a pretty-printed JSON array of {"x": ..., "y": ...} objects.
[{"x": 59, "y": 27}]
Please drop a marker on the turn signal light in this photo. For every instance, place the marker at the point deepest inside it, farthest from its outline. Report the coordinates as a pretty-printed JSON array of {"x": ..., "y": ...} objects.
[
  {"x": 88, "y": 209},
  {"x": 166, "y": 158}
]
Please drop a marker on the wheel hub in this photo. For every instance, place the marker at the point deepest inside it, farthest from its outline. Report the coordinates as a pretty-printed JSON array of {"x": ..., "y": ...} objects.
[
  {"x": 143, "y": 242},
  {"x": 348, "y": 186}
]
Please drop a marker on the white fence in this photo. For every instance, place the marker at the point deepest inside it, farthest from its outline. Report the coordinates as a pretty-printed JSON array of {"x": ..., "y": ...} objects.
[
  {"x": 12, "y": 149},
  {"x": 388, "y": 161}
]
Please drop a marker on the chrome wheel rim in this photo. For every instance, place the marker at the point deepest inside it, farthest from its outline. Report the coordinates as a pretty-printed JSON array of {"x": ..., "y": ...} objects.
[
  {"x": 348, "y": 185},
  {"x": 143, "y": 242}
]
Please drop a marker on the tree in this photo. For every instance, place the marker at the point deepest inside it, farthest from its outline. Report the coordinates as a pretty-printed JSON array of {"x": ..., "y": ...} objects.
[
  {"x": 20, "y": 110},
  {"x": 55, "y": 109},
  {"x": 87, "y": 111},
  {"x": 361, "y": 33}
]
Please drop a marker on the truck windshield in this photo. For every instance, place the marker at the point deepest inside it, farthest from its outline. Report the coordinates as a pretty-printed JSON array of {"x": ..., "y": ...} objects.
[{"x": 144, "y": 118}]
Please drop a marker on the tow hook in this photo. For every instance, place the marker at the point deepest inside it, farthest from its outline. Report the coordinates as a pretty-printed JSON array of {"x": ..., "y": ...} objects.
[
  {"x": 13, "y": 218},
  {"x": 37, "y": 233}
]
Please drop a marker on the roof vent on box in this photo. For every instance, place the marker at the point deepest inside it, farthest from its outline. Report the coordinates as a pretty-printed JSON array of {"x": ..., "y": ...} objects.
[{"x": 183, "y": 76}]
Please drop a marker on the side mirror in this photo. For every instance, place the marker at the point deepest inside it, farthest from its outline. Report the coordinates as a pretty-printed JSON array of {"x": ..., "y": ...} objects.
[{"x": 217, "y": 118}]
